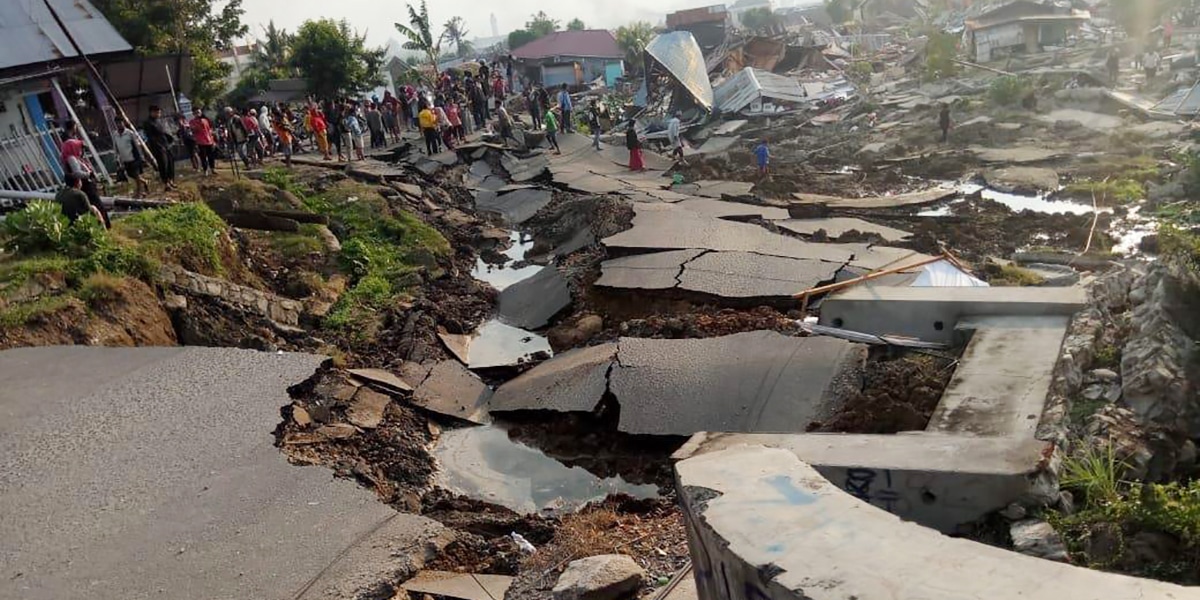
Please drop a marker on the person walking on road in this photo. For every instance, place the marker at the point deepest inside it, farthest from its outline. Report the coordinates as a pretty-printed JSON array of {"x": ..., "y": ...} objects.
[
  {"x": 428, "y": 122},
  {"x": 634, "y": 144},
  {"x": 206, "y": 141},
  {"x": 674, "y": 134},
  {"x": 552, "y": 130},
  {"x": 74, "y": 163},
  {"x": 1114, "y": 66},
  {"x": 944, "y": 122},
  {"x": 762, "y": 153},
  {"x": 160, "y": 142},
  {"x": 564, "y": 105},
  {"x": 130, "y": 156},
  {"x": 594, "y": 124}
]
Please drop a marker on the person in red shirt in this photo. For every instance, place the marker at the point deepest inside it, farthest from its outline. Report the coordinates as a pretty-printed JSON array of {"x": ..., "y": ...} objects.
[
  {"x": 454, "y": 115},
  {"x": 254, "y": 145},
  {"x": 320, "y": 130},
  {"x": 498, "y": 90},
  {"x": 206, "y": 142}
]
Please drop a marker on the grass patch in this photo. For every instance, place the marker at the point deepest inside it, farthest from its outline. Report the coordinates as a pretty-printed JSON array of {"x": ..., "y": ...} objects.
[
  {"x": 1008, "y": 90},
  {"x": 1179, "y": 244},
  {"x": 1082, "y": 408},
  {"x": 1012, "y": 276},
  {"x": 14, "y": 272},
  {"x": 1119, "y": 191},
  {"x": 298, "y": 245},
  {"x": 100, "y": 288},
  {"x": 21, "y": 314},
  {"x": 189, "y": 234}
]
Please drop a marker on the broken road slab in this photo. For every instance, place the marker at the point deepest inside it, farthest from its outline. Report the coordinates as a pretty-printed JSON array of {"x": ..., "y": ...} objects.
[
  {"x": 654, "y": 271},
  {"x": 749, "y": 275},
  {"x": 515, "y": 207},
  {"x": 723, "y": 209},
  {"x": 530, "y": 304},
  {"x": 910, "y": 199},
  {"x": 571, "y": 382},
  {"x": 749, "y": 382},
  {"x": 836, "y": 227},
  {"x": 186, "y": 435},
  {"x": 717, "y": 189},
  {"x": 385, "y": 379},
  {"x": 459, "y": 586},
  {"x": 448, "y": 388},
  {"x": 1017, "y": 155}
]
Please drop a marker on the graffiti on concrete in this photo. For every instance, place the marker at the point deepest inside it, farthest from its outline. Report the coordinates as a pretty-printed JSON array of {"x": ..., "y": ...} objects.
[{"x": 866, "y": 485}]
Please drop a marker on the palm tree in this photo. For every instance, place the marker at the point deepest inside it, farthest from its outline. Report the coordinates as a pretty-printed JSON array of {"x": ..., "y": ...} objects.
[
  {"x": 420, "y": 35},
  {"x": 632, "y": 40},
  {"x": 456, "y": 32},
  {"x": 273, "y": 54}
]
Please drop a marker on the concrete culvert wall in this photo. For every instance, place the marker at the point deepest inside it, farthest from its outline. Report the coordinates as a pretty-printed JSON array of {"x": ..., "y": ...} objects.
[{"x": 763, "y": 525}]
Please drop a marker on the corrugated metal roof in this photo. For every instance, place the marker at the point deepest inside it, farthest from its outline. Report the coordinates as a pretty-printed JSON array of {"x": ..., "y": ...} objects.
[
  {"x": 31, "y": 36},
  {"x": 681, "y": 56},
  {"x": 589, "y": 43},
  {"x": 750, "y": 84}
]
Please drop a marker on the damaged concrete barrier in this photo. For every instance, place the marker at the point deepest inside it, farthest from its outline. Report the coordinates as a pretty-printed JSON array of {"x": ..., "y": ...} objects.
[{"x": 764, "y": 525}]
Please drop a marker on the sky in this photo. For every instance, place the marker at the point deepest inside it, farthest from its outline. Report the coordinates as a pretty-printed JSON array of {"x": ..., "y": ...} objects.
[{"x": 375, "y": 17}]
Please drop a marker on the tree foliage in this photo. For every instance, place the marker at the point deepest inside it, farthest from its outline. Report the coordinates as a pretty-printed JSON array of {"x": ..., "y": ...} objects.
[
  {"x": 519, "y": 38},
  {"x": 195, "y": 27},
  {"x": 839, "y": 11},
  {"x": 576, "y": 24},
  {"x": 940, "y": 53},
  {"x": 759, "y": 18},
  {"x": 455, "y": 32},
  {"x": 273, "y": 54},
  {"x": 541, "y": 25},
  {"x": 419, "y": 35},
  {"x": 334, "y": 59},
  {"x": 632, "y": 40}
]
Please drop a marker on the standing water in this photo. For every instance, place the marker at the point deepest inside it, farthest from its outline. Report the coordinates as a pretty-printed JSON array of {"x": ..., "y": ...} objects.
[{"x": 502, "y": 276}]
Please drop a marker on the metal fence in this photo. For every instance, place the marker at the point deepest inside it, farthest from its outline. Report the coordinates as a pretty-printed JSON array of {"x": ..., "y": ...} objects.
[{"x": 29, "y": 162}]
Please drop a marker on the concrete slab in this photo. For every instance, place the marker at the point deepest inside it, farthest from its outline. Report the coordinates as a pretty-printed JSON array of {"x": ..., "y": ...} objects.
[
  {"x": 663, "y": 227},
  {"x": 531, "y": 303},
  {"x": 526, "y": 169},
  {"x": 1020, "y": 180},
  {"x": 462, "y": 586},
  {"x": 495, "y": 344},
  {"x": 654, "y": 271},
  {"x": 448, "y": 388},
  {"x": 1016, "y": 155},
  {"x": 128, "y": 472},
  {"x": 763, "y": 523},
  {"x": 930, "y": 314},
  {"x": 717, "y": 189},
  {"x": 723, "y": 209},
  {"x": 836, "y": 227},
  {"x": 750, "y": 382},
  {"x": 571, "y": 382},
  {"x": 589, "y": 183},
  {"x": 515, "y": 207},
  {"x": 1090, "y": 120},
  {"x": 874, "y": 258},
  {"x": 918, "y": 198},
  {"x": 718, "y": 145},
  {"x": 1003, "y": 379},
  {"x": 385, "y": 379},
  {"x": 748, "y": 275}
]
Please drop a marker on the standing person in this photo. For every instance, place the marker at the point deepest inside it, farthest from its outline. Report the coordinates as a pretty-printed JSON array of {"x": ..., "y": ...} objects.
[
  {"x": 73, "y": 202},
  {"x": 1151, "y": 62},
  {"x": 353, "y": 133},
  {"x": 320, "y": 131},
  {"x": 375, "y": 126},
  {"x": 564, "y": 105},
  {"x": 535, "y": 109},
  {"x": 283, "y": 131},
  {"x": 634, "y": 144},
  {"x": 674, "y": 134},
  {"x": 1114, "y": 66},
  {"x": 206, "y": 141},
  {"x": 944, "y": 122},
  {"x": 505, "y": 122},
  {"x": 264, "y": 126},
  {"x": 254, "y": 138},
  {"x": 594, "y": 124},
  {"x": 499, "y": 91},
  {"x": 427, "y": 120},
  {"x": 763, "y": 154},
  {"x": 125, "y": 143},
  {"x": 445, "y": 132},
  {"x": 454, "y": 116},
  {"x": 333, "y": 114},
  {"x": 160, "y": 142},
  {"x": 189, "y": 140},
  {"x": 552, "y": 130},
  {"x": 508, "y": 68},
  {"x": 239, "y": 137},
  {"x": 389, "y": 121},
  {"x": 74, "y": 163},
  {"x": 1168, "y": 33}
]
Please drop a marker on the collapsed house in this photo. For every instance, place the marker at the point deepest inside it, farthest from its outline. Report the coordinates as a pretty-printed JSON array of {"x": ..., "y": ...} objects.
[
  {"x": 572, "y": 58},
  {"x": 1021, "y": 26}
]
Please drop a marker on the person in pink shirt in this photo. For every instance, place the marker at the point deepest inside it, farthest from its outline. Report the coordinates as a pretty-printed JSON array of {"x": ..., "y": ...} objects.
[
  {"x": 206, "y": 142},
  {"x": 498, "y": 91},
  {"x": 254, "y": 144},
  {"x": 454, "y": 115}
]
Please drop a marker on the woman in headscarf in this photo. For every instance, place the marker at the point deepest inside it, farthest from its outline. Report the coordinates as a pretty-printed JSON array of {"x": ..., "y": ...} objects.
[
  {"x": 76, "y": 164},
  {"x": 634, "y": 144}
]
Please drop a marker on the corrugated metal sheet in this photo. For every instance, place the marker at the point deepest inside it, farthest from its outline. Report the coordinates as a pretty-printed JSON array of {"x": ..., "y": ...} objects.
[
  {"x": 1183, "y": 102},
  {"x": 681, "y": 56},
  {"x": 31, "y": 36},
  {"x": 750, "y": 84}
]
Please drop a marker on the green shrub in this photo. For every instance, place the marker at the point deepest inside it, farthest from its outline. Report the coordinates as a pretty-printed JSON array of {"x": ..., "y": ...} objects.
[
  {"x": 1095, "y": 473},
  {"x": 1008, "y": 90},
  {"x": 39, "y": 227},
  {"x": 300, "y": 244},
  {"x": 370, "y": 295},
  {"x": 189, "y": 234},
  {"x": 99, "y": 288},
  {"x": 1121, "y": 191},
  {"x": 940, "y": 53},
  {"x": 21, "y": 314}
]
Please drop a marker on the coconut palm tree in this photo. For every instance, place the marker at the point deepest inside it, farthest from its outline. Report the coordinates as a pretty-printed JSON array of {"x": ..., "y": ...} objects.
[
  {"x": 456, "y": 33},
  {"x": 272, "y": 55},
  {"x": 632, "y": 40}
]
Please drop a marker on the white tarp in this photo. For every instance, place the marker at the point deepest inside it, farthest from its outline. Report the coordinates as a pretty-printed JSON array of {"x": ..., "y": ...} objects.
[
  {"x": 944, "y": 274},
  {"x": 752, "y": 88}
]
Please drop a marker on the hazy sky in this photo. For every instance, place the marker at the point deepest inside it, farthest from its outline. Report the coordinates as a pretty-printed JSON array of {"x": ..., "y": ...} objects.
[{"x": 376, "y": 17}]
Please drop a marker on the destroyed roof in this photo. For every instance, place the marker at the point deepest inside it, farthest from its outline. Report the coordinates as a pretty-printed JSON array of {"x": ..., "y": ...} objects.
[
  {"x": 591, "y": 43},
  {"x": 681, "y": 56},
  {"x": 1024, "y": 10},
  {"x": 31, "y": 37},
  {"x": 750, "y": 84},
  {"x": 1184, "y": 101},
  {"x": 693, "y": 16}
]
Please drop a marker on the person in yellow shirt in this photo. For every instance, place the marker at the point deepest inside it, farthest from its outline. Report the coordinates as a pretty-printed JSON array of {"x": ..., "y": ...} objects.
[{"x": 429, "y": 127}]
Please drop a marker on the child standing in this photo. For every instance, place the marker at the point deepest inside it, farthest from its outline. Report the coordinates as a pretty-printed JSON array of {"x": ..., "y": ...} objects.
[
  {"x": 551, "y": 121},
  {"x": 763, "y": 154}
]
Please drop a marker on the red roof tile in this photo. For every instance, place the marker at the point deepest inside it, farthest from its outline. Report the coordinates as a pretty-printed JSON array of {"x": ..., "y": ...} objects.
[{"x": 597, "y": 43}]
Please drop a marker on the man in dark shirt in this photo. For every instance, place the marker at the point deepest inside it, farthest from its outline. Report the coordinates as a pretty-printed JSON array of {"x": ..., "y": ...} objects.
[
  {"x": 73, "y": 201},
  {"x": 160, "y": 146}
]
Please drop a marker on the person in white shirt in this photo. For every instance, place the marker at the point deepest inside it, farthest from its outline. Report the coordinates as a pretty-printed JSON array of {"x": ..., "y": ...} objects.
[
  {"x": 130, "y": 155},
  {"x": 1151, "y": 62},
  {"x": 673, "y": 133}
]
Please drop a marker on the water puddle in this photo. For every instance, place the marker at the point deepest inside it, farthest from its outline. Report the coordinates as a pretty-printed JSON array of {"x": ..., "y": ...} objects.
[
  {"x": 503, "y": 276},
  {"x": 495, "y": 344},
  {"x": 1131, "y": 230},
  {"x": 483, "y": 463},
  {"x": 944, "y": 210},
  {"x": 1039, "y": 204}
]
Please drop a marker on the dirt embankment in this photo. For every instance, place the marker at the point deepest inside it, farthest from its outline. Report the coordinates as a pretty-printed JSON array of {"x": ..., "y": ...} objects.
[{"x": 117, "y": 312}]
